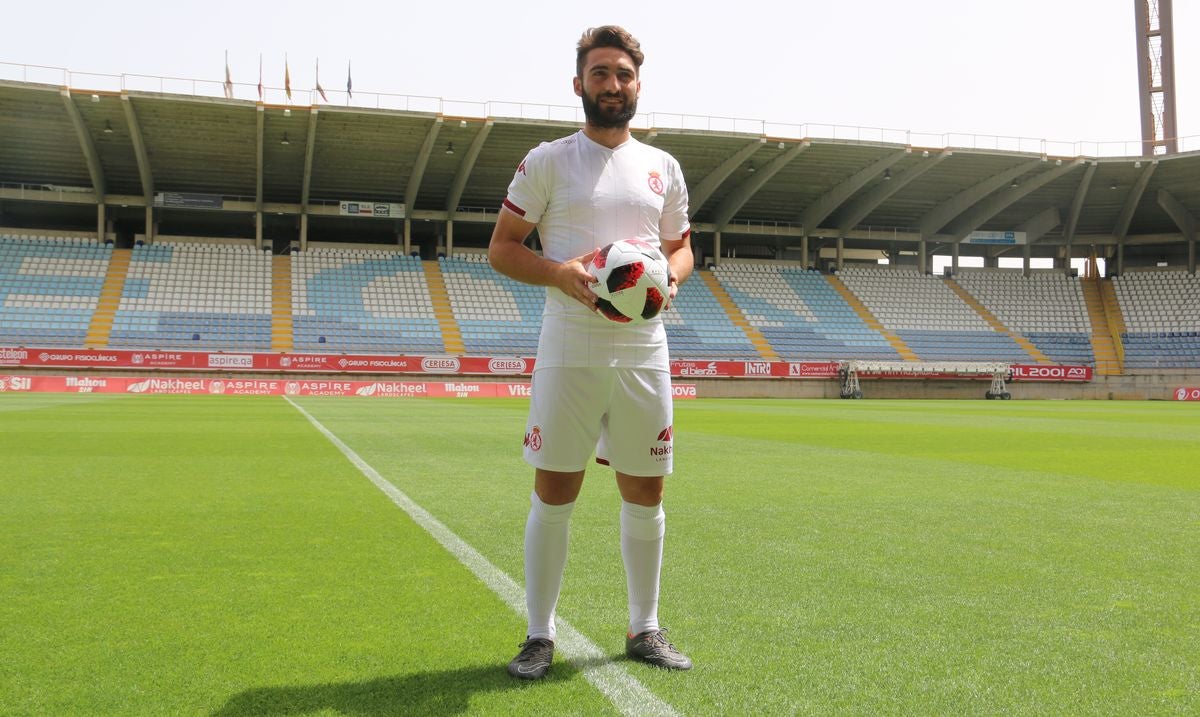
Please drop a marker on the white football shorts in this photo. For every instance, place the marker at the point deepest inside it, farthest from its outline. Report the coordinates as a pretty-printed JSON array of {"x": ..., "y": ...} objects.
[{"x": 623, "y": 414}]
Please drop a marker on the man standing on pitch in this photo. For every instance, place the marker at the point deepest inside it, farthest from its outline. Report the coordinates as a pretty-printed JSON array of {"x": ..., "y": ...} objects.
[{"x": 597, "y": 385}]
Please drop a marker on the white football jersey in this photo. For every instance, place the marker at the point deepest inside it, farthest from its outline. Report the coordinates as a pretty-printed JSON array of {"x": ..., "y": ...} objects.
[{"x": 582, "y": 196}]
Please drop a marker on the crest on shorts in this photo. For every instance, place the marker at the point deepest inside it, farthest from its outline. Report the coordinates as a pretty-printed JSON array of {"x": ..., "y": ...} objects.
[
  {"x": 656, "y": 183},
  {"x": 533, "y": 439}
]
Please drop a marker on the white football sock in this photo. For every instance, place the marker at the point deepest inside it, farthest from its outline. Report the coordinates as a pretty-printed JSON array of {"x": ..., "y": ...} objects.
[
  {"x": 642, "y": 530},
  {"x": 546, "y": 533}
]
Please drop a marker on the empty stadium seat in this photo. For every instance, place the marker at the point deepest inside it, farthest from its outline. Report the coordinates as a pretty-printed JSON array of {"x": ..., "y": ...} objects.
[
  {"x": 195, "y": 296},
  {"x": 49, "y": 288},
  {"x": 1161, "y": 310},
  {"x": 368, "y": 301}
]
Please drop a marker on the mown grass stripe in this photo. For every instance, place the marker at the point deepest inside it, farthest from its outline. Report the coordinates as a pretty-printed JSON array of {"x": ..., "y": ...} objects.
[{"x": 625, "y": 692}]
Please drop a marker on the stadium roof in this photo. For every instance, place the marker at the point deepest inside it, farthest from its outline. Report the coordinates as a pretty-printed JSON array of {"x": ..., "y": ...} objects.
[{"x": 72, "y": 146}]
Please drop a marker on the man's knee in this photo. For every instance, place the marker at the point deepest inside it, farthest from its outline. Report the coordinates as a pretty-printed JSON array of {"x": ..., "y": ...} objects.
[
  {"x": 640, "y": 490},
  {"x": 557, "y": 488}
]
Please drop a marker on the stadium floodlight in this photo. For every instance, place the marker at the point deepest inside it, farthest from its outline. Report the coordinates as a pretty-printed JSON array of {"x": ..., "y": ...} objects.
[
  {"x": 887, "y": 174},
  {"x": 108, "y": 127},
  {"x": 449, "y": 148},
  {"x": 284, "y": 141}
]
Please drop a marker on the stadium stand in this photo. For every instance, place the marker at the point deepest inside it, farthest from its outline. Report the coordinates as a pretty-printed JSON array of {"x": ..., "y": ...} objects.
[
  {"x": 928, "y": 316},
  {"x": 800, "y": 314},
  {"x": 49, "y": 288},
  {"x": 362, "y": 300},
  {"x": 1046, "y": 308},
  {"x": 195, "y": 296},
  {"x": 1161, "y": 310},
  {"x": 496, "y": 315},
  {"x": 218, "y": 296},
  {"x": 699, "y": 327}
]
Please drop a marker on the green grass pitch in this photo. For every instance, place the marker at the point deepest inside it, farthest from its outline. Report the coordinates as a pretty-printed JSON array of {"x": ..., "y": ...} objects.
[{"x": 218, "y": 556}]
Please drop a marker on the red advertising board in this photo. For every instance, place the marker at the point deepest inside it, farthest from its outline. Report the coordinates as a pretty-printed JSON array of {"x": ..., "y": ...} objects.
[
  {"x": 366, "y": 363},
  {"x": 247, "y": 361},
  {"x": 87, "y": 359},
  {"x": 276, "y": 387},
  {"x": 755, "y": 369},
  {"x": 1187, "y": 393},
  {"x": 1038, "y": 372}
]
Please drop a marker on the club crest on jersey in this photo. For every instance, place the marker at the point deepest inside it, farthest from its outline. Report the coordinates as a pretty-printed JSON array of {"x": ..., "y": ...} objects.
[
  {"x": 521, "y": 168},
  {"x": 656, "y": 183},
  {"x": 533, "y": 439}
]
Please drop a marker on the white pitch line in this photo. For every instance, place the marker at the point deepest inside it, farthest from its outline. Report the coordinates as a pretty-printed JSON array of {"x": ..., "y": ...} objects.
[{"x": 613, "y": 680}]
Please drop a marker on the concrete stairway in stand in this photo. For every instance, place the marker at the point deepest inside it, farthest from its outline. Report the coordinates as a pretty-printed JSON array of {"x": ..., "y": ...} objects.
[
  {"x": 760, "y": 343},
  {"x": 100, "y": 327}
]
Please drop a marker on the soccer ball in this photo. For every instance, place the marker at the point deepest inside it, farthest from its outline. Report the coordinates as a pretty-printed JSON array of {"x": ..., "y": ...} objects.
[{"x": 631, "y": 281}]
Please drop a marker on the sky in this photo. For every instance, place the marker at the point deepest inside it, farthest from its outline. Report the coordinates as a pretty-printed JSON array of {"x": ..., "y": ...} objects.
[{"x": 1060, "y": 70}]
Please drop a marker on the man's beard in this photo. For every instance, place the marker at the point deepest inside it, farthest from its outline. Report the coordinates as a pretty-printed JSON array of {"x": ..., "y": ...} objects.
[{"x": 602, "y": 118}]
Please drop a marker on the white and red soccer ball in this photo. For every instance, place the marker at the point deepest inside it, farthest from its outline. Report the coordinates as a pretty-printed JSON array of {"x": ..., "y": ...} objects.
[{"x": 631, "y": 281}]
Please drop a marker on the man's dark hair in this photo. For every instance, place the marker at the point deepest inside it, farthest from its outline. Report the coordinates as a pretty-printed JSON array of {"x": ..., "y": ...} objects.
[{"x": 608, "y": 36}]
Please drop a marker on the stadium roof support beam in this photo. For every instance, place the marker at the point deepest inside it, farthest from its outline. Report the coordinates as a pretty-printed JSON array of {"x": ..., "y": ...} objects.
[
  {"x": 975, "y": 217},
  {"x": 1035, "y": 227},
  {"x": 942, "y": 214},
  {"x": 704, "y": 190},
  {"x": 418, "y": 170},
  {"x": 825, "y": 205},
  {"x": 1081, "y": 191},
  {"x": 260, "y": 120},
  {"x": 86, "y": 145},
  {"x": 143, "y": 161},
  {"x": 1121, "y": 228},
  {"x": 743, "y": 192},
  {"x": 1184, "y": 220},
  {"x": 1077, "y": 203},
  {"x": 459, "y": 185},
  {"x": 95, "y": 169},
  {"x": 307, "y": 182},
  {"x": 1040, "y": 224},
  {"x": 870, "y": 200}
]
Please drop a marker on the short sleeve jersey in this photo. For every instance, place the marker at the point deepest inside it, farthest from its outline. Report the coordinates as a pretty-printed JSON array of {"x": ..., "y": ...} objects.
[{"x": 582, "y": 196}]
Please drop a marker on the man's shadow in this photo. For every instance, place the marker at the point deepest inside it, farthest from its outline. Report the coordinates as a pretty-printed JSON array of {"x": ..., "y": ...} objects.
[{"x": 432, "y": 693}]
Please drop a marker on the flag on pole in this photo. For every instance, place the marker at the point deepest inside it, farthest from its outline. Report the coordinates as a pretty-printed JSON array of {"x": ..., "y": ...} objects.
[
  {"x": 349, "y": 84},
  {"x": 320, "y": 91},
  {"x": 287, "y": 78},
  {"x": 260, "y": 88},
  {"x": 228, "y": 78}
]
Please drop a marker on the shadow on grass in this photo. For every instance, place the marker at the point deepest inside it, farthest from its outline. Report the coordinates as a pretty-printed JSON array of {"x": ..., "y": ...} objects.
[{"x": 435, "y": 693}]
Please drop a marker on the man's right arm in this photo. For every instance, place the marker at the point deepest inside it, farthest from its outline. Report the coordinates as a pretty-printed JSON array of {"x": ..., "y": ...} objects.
[{"x": 508, "y": 255}]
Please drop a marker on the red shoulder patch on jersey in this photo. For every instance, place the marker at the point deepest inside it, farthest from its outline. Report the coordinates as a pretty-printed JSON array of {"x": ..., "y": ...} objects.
[{"x": 521, "y": 168}]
